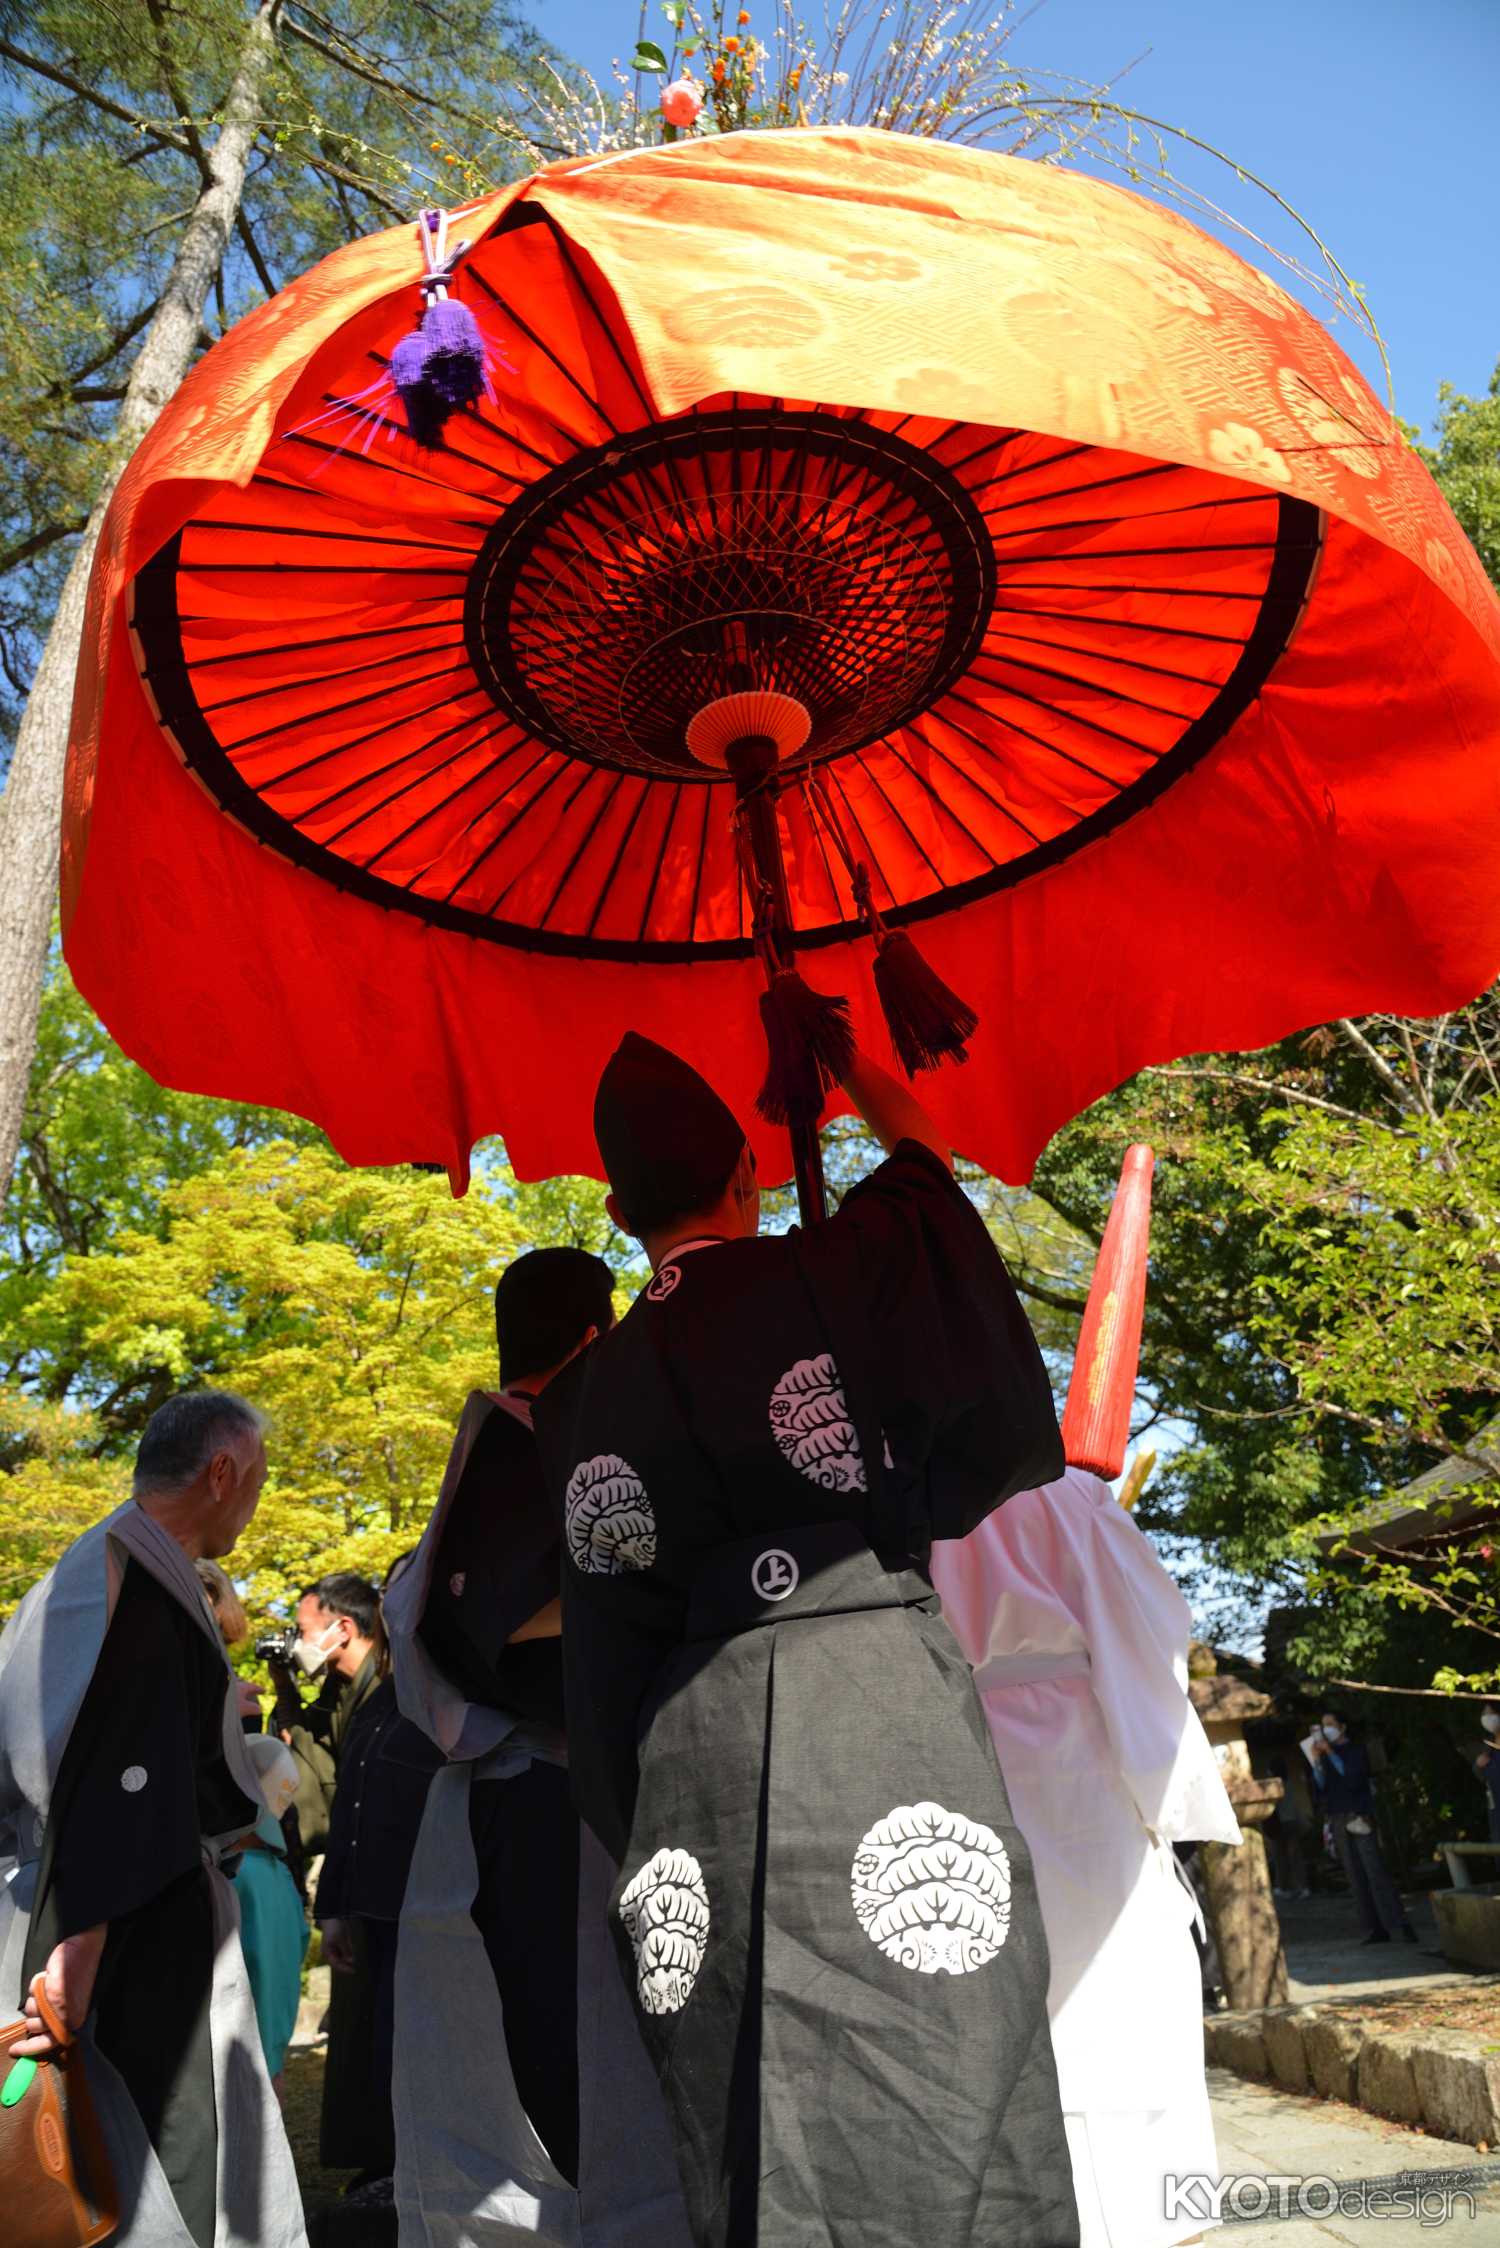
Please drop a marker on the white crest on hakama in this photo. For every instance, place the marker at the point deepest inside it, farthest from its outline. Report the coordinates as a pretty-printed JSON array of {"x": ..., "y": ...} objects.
[
  {"x": 609, "y": 1521},
  {"x": 931, "y": 1888},
  {"x": 665, "y": 1914},
  {"x": 811, "y": 1425}
]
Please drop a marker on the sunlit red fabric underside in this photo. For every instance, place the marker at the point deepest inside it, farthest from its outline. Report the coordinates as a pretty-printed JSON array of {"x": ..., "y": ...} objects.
[{"x": 1148, "y": 671}]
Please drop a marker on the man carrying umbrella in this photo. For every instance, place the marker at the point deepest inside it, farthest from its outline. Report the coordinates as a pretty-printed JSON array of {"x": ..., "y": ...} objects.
[{"x": 824, "y": 1910}]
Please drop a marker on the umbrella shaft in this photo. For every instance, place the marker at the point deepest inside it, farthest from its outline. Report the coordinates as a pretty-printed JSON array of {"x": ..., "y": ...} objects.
[{"x": 757, "y": 796}]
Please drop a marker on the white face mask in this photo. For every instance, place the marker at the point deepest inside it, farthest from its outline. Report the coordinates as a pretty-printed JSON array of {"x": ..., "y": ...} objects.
[
  {"x": 310, "y": 1656},
  {"x": 1333, "y": 1732},
  {"x": 1491, "y": 1721}
]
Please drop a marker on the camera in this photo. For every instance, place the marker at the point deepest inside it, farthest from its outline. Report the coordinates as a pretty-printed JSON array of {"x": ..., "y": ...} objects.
[{"x": 277, "y": 1647}]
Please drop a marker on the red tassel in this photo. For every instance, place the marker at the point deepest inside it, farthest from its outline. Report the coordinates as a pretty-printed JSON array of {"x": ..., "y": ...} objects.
[
  {"x": 928, "y": 1023},
  {"x": 1096, "y": 1418},
  {"x": 810, "y": 1044}
]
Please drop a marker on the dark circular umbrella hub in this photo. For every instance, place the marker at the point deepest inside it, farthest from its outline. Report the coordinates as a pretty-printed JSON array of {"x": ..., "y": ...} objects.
[{"x": 813, "y": 554}]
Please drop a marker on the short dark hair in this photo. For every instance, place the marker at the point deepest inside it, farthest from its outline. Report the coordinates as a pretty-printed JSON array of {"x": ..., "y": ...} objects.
[
  {"x": 183, "y": 1435},
  {"x": 346, "y": 1594},
  {"x": 670, "y": 1204},
  {"x": 545, "y": 1304}
]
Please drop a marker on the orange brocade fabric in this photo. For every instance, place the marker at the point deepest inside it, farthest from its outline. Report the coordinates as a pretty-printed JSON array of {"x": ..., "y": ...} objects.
[{"x": 1337, "y": 850}]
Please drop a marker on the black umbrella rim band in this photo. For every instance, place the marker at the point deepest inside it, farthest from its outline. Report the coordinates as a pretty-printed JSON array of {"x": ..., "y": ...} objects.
[{"x": 155, "y": 625}]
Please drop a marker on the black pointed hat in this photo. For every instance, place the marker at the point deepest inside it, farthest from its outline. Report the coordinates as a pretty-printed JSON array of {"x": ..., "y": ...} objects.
[{"x": 668, "y": 1143}]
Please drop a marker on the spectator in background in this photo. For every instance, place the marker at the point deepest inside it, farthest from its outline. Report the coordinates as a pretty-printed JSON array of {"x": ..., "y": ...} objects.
[
  {"x": 340, "y": 1643},
  {"x": 273, "y": 1924},
  {"x": 385, "y": 1766},
  {"x": 1341, "y": 1775},
  {"x": 234, "y": 1626},
  {"x": 1487, "y": 1764},
  {"x": 341, "y": 1647}
]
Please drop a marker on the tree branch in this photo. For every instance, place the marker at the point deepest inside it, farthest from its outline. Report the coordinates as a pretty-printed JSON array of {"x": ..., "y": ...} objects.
[
  {"x": 112, "y": 349},
  {"x": 40, "y": 541},
  {"x": 1353, "y": 1036},
  {"x": 1424, "y": 1693},
  {"x": 85, "y": 92},
  {"x": 1269, "y": 1085}
]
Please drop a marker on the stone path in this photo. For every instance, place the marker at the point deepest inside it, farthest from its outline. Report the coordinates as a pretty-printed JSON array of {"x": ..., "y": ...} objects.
[
  {"x": 1263, "y": 2132},
  {"x": 1326, "y": 1960}
]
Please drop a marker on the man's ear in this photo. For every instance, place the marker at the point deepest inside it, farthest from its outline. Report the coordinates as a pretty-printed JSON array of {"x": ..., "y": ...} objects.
[{"x": 615, "y": 1214}]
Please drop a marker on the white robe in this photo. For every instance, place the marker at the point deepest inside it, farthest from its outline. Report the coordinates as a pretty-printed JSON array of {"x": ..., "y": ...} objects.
[{"x": 1079, "y": 1642}]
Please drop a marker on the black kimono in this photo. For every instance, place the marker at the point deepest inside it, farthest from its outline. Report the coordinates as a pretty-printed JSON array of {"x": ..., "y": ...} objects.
[
  {"x": 525, "y": 2104},
  {"x": 142, "y": 1779},
  {"x": 824, "y": 1910}
]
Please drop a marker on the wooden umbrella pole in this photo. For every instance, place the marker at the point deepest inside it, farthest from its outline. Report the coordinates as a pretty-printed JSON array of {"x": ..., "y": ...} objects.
[{"x": 752, "y": 762}]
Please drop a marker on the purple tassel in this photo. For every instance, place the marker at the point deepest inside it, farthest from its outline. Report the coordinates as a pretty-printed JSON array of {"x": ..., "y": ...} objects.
[
  {"x": 455, "y": 366},
  {"x": 425, "y": 409}
]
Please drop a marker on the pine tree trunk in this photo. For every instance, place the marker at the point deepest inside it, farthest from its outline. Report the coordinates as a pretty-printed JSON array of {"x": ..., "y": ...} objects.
[{"x": 31, "y": 808}]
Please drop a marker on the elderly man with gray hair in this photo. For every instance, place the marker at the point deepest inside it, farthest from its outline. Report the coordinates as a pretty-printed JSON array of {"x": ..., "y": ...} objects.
[{"x": 124, "y": 1784}]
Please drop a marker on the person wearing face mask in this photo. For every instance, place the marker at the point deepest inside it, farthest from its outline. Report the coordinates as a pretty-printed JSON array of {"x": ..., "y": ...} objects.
[
  {"x": 1487, "y": 1764},
  {"x": 339, "y": 1647},
  {"x": 1341, "y": 1775}
]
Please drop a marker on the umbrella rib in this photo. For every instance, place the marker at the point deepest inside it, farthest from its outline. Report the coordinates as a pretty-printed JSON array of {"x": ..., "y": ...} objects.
[
  {"x": 486, "y": 772},
  {"x": 899, "y": 816},
  {"x": 1014, "y": 726},
  {"x": 1136, "y": 553},
  {"x": 338, "y": 749},
  {"x": 374, "y": 773},
  {"x": 890, "y": 743},
  {"x": 596, "y": 819},
  {"x": 708, "y": 799},
  {"x": 329, "y": 538},
  {"x": 816, "y": 825},
  {"x": 404, "y": 788},
  {"x": 520, "y": 780},
  {"x": 590, "y": 773},
  {"x": 661, "y": 860},
  {"x": 1124, "y": 585},
  {"x": 561, "y": 241},
  {"x": 503, "y": 833},
  {"x": 319, "y": 679},
  {"x": 871, "y": 856},
  {"x": 432, "y": 483},
  {"x": 1102, "y": 655},
  {"x": 296, "y": 647},
  {"x": 354, "y": 702},
  {"x": 1095, "y": 484},
  {"x": 1090, "y": 686},
  {"x": 1148, "y": 515},
  {"x": 317, "y": 570},
  {"x": 1129, "y": 624},
  {"x": 547, "y": 352},
  {"x": 971, "y": 778},
  {"x": 609, "y": 880}
]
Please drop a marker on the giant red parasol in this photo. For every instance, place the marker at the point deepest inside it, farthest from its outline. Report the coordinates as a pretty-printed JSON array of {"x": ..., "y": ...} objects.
[{"x": 1144, "y": 668}]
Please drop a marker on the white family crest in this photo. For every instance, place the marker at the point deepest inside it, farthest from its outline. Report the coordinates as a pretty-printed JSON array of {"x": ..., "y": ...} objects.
[
  {"x": 664, "y": 1284},
  {"x": 665, "y": 1913},
  {"x": 608, "y": 1520},
  {"x": 774, "y": 1575},
  {"x": 931, "y": 1888},
  {"x": 811, "y": 1425}
]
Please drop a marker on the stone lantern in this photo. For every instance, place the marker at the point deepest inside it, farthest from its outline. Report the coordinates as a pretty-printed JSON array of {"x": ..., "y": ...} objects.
[{"x": 1246, "y": 1927}]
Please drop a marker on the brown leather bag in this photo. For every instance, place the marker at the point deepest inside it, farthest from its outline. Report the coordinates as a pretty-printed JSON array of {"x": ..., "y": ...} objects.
[{"x": 56, "y": 2187}]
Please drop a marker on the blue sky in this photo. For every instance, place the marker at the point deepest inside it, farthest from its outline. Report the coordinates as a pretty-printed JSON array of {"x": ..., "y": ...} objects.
[{"x": 1375, "y": 118}]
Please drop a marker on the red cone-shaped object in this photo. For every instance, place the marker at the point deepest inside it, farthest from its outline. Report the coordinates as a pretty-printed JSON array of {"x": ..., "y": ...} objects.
[{"x": 1096, "y": 1419}]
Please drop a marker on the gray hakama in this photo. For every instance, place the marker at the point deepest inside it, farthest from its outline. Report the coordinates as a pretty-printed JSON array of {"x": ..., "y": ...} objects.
[
  {"x": 471, "y": 2170},
  {"x": 824, "y": 1910},
  {"x": 48, "y": 1657}
]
